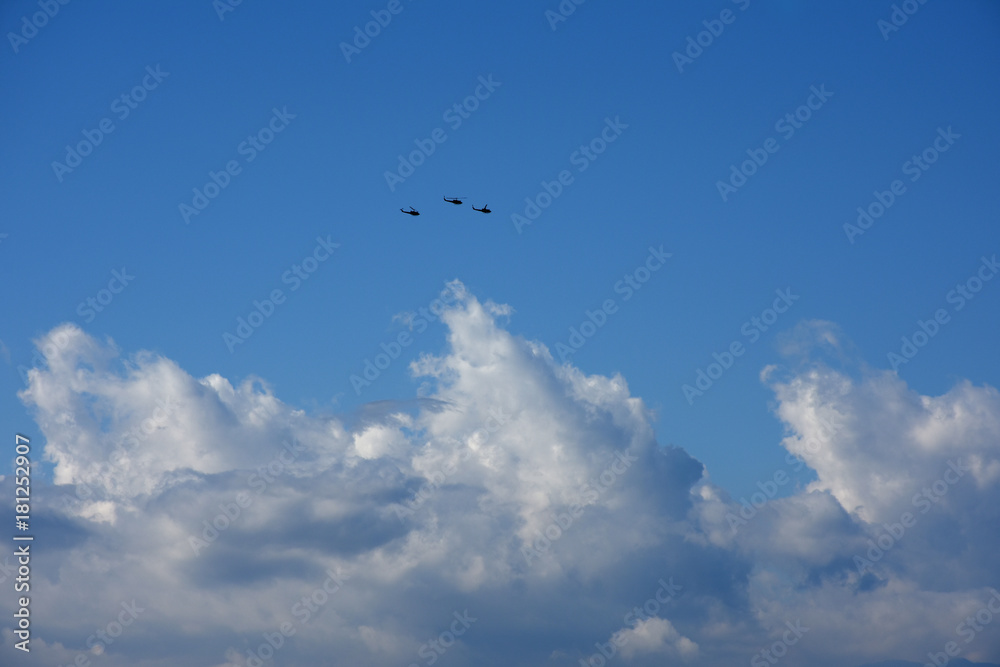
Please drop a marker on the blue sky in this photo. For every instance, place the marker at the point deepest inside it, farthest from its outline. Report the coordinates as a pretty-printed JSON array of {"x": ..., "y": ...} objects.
[{"x": 553, "y": 89}]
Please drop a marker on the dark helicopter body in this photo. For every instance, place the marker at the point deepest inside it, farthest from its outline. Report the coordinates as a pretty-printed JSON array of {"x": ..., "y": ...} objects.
[{"x": 451, "y": 200}]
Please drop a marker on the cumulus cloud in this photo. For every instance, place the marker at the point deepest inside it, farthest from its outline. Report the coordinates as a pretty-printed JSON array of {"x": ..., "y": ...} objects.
[
  {"x": 657, "y": 636},
  {"x": 885, "y": 452},
  {"x": 514, "y": 512},
  {"x": 897, "y": 533}
]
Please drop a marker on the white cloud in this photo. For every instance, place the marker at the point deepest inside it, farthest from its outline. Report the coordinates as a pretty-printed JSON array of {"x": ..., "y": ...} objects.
[
  {"x": 888, "y": 451},
  {"x": 656, "y": 636},
  {"x": 522, "y": 492}
]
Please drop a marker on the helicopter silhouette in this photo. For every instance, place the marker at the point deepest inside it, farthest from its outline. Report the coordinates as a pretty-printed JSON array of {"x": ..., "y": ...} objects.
[
  {"x": 484, "y": 209},
  {"x": 455, "y": 200},
  {"x": 412, "y": 211}
]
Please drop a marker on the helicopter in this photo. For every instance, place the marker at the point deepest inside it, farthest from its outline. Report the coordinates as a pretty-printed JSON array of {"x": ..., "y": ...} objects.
[
  {"x": 484, "y": 209},
  {"x": 412, "y": 211},
  {"x": 454, "y": 200}
]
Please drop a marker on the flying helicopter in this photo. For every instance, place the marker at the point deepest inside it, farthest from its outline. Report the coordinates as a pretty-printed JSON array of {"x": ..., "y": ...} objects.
[
  {"x": 412, "y": 211},
  {"x": 484, "y": 209},
  {"x": 454, "y": 200}
]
